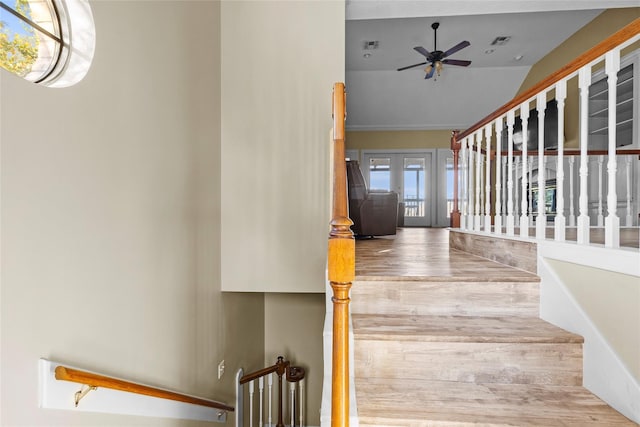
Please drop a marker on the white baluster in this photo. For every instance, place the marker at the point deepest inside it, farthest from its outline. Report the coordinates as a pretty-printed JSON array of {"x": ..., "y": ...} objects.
[
  {"x": 482, "y": 198},
  {"x": 301, "y": 390},
  {"x": 600, "y": 222},
  {"x": 261, "y": 400},
  {"x": 572, "y": 216},
  {"x": 510, "y": 217},
  {"x": 584, "y": 80},
  {"x": 612, "y": 222},
  {"x": 471, "y": 214},
  {"x": 292, "y": 402},
  {"x": 251, "y": 403},
  {"x": 498, "y": 210},
  {"x": 629, "y": 219},
  {"x": 559, "y": 222},
  {"x": 516, "y": 197},
  {"x": 530, "y": 198},
  {"x": 478, "y": 183},
  {"x": 541, "y": 219},
  {"x": 524, "y": 218},
  {"x": 504, "y": 190},
  {"x": 270, "y": 383},
  {"x": 463, "y": 185},
  {"x": 487, "y": 181}
]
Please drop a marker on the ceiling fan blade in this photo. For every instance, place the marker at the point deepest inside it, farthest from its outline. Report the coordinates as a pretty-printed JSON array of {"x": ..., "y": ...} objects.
[
  {"x": 460, "y": 62},
  {"x": 430, "y": 73},
  {"x": 411, "y": 66},
  {"x": 423, "y": 51},
  {"x": 456, "y": 48}
]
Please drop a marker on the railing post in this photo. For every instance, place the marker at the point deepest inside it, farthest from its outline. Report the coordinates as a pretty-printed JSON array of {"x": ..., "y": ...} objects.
[
  {"x": 478, "y": 181},
  {"x": 584, "y": 80},
  {"x": 464, "y": 181},
  {"x": 455, "y": 147},
  {"x": 498, "y": 205},
  {"x": 510, "y": 215},
  {"x": 341, "y": 267},
  {"x": 541, "y": 219},
  {"x": 612, "y": 222},
  {"x": 524, "y": 218},
  {"x": 559, "y": 222},
  {"x": 487, "y": 181}
]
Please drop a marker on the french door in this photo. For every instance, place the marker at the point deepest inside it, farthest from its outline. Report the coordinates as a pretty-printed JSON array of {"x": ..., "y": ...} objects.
[{"x": 409, "y": 175}]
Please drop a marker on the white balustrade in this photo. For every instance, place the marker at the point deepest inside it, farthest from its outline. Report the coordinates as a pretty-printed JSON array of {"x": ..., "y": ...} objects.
[
  {"x": 584, "y": 80},
  {"x": 510, "y": 215},
  {"x": 513, "y": 186},
  {"x": 612, "y": 222},
  {"x": 524, "y": 218},
  {"x": 541, "y": 219},
  {"x": 600, "y": 218},
  {"x": 499, "y": 166},
  {"x": 559, "y": 221},
  {"x": 478, "y": 183},
  {"x": 463, "y": 184}
]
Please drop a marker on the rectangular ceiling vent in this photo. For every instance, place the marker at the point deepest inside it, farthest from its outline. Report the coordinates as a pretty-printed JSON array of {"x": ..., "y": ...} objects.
[
  {"x": 500, "y": 40},
  {"x": 370, "y": 44}
]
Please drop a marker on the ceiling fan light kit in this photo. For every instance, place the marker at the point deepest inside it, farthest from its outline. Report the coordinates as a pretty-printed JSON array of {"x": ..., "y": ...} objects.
[{"x": 436, "y": 59}]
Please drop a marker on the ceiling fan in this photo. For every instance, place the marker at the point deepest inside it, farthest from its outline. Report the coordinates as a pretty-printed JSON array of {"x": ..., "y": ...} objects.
[{"x": 437, "y": 58}]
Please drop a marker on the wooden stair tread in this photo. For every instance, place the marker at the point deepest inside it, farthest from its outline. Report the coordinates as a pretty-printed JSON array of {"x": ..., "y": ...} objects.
[
  {"x": 405, "y": 402},
  {"x": 458, "y": 329}
]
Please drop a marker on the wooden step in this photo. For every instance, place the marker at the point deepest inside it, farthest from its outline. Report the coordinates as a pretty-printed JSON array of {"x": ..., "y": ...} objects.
[
  {"x": 510, "y": 350},
  {"x": 447, "y": 297},
  {"x": 417, "y": 403}
]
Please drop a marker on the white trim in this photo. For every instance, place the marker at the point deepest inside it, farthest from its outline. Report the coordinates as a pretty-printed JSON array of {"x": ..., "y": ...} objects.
[
  {"x": 620, "y": 260},
  {"x": 56, "y": 394},
  {"x": 613, "y": 384}
]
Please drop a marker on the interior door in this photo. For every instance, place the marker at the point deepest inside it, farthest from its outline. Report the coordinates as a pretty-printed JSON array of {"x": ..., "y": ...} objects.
[{"x": 409, "y": 175}]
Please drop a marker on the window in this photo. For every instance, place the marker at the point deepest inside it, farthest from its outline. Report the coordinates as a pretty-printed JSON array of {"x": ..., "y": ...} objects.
[{"x": 35, "y": 40}]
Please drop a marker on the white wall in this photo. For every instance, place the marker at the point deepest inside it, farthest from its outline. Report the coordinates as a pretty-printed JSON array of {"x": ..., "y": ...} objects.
[
  {"x": 111, "y": 218},
  {"x": 280, "y": 60}
]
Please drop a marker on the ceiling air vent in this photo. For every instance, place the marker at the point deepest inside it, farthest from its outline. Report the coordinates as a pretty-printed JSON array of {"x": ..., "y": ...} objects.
[
  {"x": 500, "y": 40},
  {"x": 370, "y": 44}
]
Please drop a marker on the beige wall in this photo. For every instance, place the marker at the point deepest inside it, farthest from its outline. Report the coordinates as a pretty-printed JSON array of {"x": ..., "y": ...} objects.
[
  {"x": 406, "y": 139},
  {"x": 293, "y": 329},
  {"x": 612, "y": 302},
  {"x": 591, "y": 34},
  {"x": 111, "y": 218},
  {"x": 280, "y": 60}
]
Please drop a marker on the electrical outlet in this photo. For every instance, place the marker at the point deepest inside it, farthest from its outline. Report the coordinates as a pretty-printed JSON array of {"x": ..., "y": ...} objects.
[{"x": 220, "y": 369}]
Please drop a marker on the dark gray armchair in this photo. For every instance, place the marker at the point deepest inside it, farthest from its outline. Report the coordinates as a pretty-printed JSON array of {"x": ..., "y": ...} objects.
[{"x": 374, "y": 213}]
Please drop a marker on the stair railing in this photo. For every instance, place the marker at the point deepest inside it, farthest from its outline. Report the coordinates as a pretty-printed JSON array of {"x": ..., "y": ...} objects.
[
  {"x": 341, "y": 266},
  {"x": 260, "y": 408},
  {"x": 507, "y": 198}
]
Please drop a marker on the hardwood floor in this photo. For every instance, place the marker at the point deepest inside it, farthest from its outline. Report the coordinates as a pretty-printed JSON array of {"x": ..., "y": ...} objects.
[
  {"x": 424, "y": 254},
  {"x": 445, "y": 338}
]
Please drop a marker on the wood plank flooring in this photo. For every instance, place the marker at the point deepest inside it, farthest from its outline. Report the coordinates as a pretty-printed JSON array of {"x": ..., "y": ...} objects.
[
  {"x": 424, "y": 254},
  {"x": 445, "y": 338}
]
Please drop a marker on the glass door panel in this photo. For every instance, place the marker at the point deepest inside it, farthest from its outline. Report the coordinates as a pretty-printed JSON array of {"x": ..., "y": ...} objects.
[
  {"x": 413, "y": 185},
  {"x": 408, "y": 175},
  {"x": 380, "y": 173}
]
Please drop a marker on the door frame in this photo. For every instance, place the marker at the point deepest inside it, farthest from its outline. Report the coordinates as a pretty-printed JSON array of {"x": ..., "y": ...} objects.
[{"x": 431, "y": 177}]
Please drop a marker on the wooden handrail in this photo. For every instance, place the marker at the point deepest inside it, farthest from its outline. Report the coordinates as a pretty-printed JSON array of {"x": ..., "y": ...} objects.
[
  {"x": 94, "y": 380},
  {"x": 341, "y": 266},
  {"x": 591, "y": 55}
]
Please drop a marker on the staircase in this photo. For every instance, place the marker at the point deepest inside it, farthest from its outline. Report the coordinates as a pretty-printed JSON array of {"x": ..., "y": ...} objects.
[{"x": 447, "y": 350}]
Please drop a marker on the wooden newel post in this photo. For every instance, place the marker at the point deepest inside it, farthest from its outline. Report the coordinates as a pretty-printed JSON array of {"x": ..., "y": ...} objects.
[
  {"x": 341, "y": 267},
  {"x": 455, "y": 147}
]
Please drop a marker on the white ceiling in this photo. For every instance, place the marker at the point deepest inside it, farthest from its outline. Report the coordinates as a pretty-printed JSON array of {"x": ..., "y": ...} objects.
[{"x": 381, "y": 98}]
